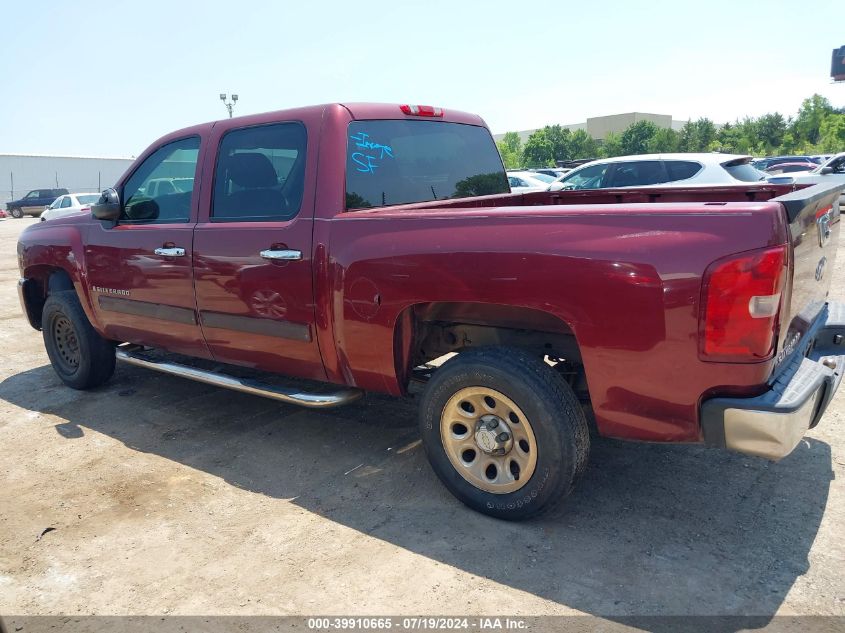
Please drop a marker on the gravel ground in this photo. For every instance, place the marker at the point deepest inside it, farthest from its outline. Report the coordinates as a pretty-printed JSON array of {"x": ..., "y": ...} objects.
[{"x": 165, "y": 496}]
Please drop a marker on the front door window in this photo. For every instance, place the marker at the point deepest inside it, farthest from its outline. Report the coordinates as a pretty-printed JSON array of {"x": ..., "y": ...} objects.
[{"x": 160, "y": 189}]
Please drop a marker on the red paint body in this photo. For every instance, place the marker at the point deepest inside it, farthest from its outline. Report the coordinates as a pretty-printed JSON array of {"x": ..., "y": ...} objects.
[{"x": 621, "y": 270}]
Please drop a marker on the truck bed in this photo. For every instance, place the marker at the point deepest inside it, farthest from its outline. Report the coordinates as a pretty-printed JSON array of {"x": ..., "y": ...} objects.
[{"x": 621, "y": 268}]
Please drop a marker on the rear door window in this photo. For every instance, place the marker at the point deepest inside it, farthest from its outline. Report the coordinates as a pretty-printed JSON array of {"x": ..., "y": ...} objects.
[
  {"x": 638, "y": 173},
  {"x": 260, "y": 173},
  {"x": 681, "y": 169},
  {"x": 392, "y": 162}
]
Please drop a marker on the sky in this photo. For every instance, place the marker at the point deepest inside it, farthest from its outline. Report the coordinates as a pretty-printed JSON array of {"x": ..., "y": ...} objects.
[{"x": 108, "y": 78}]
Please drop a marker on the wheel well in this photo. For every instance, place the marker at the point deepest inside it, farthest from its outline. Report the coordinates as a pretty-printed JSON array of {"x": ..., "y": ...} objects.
[
  {"x": 41, "y": 282},
  {"x": 429, "y": 331}
]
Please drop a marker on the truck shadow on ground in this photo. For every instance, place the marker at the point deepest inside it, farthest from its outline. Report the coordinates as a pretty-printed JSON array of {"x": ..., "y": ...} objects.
[{"x": 652, "y": 529}]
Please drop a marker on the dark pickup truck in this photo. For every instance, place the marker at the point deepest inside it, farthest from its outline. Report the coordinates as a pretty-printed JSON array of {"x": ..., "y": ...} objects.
[{"x": 361, "y": 245}]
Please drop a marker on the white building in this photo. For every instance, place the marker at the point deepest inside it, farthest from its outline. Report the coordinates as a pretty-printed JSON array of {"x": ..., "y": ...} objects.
[
  {"x": 598, "y": 127},
  {"x": 20, "y": 173}
]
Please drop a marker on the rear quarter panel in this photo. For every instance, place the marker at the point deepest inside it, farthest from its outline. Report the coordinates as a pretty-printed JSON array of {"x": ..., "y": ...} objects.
[{"x": 626, "y": 279}]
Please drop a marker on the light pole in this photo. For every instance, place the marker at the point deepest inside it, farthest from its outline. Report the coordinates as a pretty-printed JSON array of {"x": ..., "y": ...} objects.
[{"x": 230, "y": 105}]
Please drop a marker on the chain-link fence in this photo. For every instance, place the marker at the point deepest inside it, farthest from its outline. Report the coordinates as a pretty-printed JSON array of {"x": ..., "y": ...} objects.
[{"x": 21, "y": 174}]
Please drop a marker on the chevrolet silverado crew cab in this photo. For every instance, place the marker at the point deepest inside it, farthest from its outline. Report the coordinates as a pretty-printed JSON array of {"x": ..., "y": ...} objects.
[{"x": 360, "y": 244}]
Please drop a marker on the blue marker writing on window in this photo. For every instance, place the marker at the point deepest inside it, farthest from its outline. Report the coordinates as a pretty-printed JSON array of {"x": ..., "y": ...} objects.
[
  {"x": 362, "y": 141},
  {"x": 366, "y": 164}
]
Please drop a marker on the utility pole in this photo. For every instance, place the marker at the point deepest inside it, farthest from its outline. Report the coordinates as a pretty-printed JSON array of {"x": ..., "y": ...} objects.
[{"x": 230, "y": 105}]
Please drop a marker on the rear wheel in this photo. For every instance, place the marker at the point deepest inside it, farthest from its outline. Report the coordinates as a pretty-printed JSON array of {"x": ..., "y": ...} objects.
[
  {"x": 82, "y": 358},
  {"x": 16, "y": 213},
  {"x": 504, "y": 432}
]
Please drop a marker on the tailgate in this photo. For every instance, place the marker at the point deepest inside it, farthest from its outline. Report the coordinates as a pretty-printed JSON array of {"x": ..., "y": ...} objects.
[{"x": 813, "y": 214}]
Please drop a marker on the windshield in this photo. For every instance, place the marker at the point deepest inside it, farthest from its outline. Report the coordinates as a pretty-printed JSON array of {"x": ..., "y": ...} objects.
[
  {"x": 399, "y": 162},
  {"x": 543, "y": 177},
  {"x": 89, "y": 198}
]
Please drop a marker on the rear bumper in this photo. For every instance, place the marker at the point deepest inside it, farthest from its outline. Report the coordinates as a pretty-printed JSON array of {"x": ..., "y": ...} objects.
[{"x": 772, "y": 424}]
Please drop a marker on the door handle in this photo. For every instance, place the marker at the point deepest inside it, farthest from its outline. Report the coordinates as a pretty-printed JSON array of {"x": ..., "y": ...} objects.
[
  {"x": 170, "y": 252},
  {"x": 283, "y": 255}
]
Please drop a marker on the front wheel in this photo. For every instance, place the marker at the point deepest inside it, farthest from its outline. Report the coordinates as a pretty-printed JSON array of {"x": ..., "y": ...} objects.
[
  {"x": 504, "y": 432},
  {"x": 82, "y": 358},
  {"x": 16, "y": 213}
]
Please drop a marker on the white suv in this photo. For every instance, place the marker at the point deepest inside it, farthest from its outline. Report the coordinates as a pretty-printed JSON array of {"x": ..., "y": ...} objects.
[{"x": 654, "y": 170}]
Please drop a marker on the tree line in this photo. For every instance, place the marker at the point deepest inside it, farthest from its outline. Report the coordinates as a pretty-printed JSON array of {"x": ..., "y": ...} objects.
[{"x": 818, "y": 128}]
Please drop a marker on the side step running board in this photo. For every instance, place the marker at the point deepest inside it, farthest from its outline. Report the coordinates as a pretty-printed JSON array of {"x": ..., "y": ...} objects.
[{"x": 133, "y": 355}]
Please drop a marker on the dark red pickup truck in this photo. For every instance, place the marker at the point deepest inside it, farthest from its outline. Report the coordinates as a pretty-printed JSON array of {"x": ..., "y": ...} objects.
[{"x": 355, "y": 244}]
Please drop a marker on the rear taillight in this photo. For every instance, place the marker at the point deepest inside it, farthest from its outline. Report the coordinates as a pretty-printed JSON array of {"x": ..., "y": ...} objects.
[
  {"x": 741, "y": 303},
  {"x": 421, "y": 110},
  {"x": 86, "y": 209}
]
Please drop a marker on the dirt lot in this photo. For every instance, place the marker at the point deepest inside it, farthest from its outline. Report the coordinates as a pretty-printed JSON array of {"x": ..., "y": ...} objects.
[{"x": 171, "y": 497}]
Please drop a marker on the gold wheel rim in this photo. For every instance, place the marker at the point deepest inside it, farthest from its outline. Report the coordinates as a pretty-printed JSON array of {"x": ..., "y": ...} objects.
[{"x": 488, "y": 440}]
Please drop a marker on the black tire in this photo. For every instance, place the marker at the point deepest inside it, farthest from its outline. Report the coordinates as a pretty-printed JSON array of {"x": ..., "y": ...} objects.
[
  {"x": 549, "y": 404},
  {"x": 80, "y": 357},
  {"x": 16, "y": 213}
]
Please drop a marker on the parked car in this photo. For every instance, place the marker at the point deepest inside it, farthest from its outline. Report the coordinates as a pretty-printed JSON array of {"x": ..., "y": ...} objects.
[
  {"x": 34, "y": 202},
  {"x": 2, "y": 214},
  {"x": 832, "y": 171},
  {"x": 553, "y": 172},
  {"x": 355, "y": 244},
  {"x": 789, "y": 168},
  {"x": 526, "y": 181},
  {"x": 652, "y": 170},
  {"x": 69, "y": 204},
  {"x": 162, "y": 186},
  {"x": 772, "y": 161}
]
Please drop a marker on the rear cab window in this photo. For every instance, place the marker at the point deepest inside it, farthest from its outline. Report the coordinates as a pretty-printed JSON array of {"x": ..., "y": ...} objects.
[{"x": 392, "y": 162}]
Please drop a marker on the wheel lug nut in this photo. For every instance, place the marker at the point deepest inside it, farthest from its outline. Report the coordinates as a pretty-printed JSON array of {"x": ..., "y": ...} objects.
[
  {"x": 503, "y": 437},
  {"x": 492, "y": 424}
]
